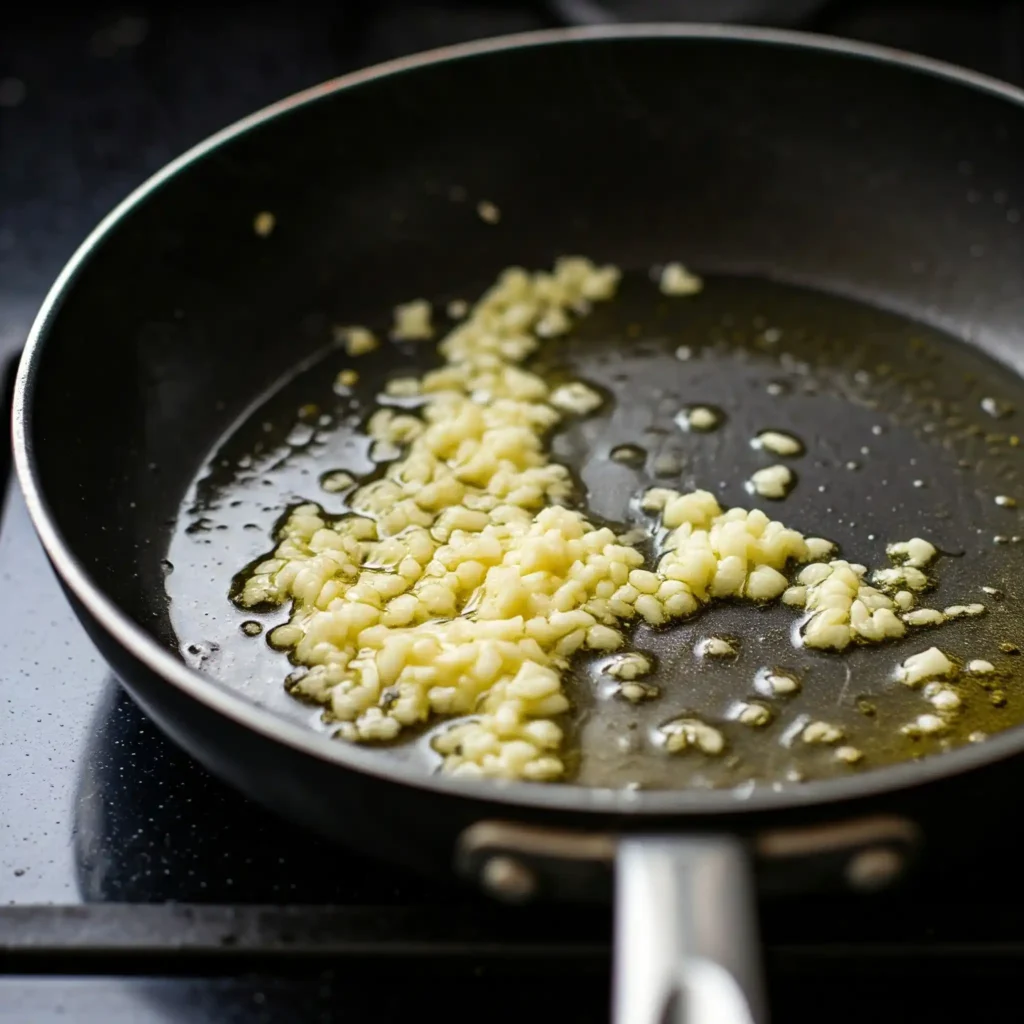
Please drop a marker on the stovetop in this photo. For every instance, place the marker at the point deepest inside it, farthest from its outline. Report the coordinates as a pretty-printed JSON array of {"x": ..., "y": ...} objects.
[{"x": 133, "y": 886}]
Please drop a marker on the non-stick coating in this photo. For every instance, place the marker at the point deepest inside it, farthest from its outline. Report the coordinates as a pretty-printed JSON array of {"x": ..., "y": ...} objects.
[{"x": 749, "y": 152}]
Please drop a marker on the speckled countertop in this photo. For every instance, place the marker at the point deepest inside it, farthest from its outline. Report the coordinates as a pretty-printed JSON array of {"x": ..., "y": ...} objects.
[{"x": 98, "y": 810}]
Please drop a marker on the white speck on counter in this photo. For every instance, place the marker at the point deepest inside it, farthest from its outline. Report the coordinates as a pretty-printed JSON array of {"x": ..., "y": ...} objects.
[
  {"x": 773, "y": 482},
  {"x": 676, "y": 280}
]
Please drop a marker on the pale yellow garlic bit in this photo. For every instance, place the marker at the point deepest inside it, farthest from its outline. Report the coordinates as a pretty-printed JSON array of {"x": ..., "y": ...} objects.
[
  {"x": 716, "y": 647},
  {"x": 778, "y": 443},
  {"x": 916, "y": 553},
  {"x": 413, "y": 321},
  {"x": 925, "y": 665},
  {"x": 357, "y": 341},
  {"x": 629, "y": 666},
  {"x": 773, "y": 482},
  {"x": 684, "y": 734},
  {"x": 576, "y": 398},
  {"x": 677, "y": 281}
]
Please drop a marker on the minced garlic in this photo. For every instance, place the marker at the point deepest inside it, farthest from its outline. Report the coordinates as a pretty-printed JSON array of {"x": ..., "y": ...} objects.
[
  {"x": 778, "y": 443},
  {"x": 699, "y": 418},
  {"x": 412, "y": 321},
  {"x": 980, "y": 667},
  {"x": 676, "y": 280},
  {"x": 631, "y": 665},
  {"x": 357, "y": 340},
  {"x": 688, "y": 733},
  {"x": 716, "y": 647},
  {"x": 773, "y": 482},
  {"x": 929, "y": 664},
  {"x": 576, "y": 398}
]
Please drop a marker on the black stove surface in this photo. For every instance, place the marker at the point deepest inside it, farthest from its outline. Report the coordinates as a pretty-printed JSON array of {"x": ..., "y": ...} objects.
[{"x": 133, "y": 886}]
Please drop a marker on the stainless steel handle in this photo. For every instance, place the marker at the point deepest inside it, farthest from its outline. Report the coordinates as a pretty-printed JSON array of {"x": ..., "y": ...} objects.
[{"x": 686, "y": 942}]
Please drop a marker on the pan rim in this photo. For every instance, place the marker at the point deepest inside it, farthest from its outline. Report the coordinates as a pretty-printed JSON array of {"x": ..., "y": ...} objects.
[{"x": 222, "y": 699}]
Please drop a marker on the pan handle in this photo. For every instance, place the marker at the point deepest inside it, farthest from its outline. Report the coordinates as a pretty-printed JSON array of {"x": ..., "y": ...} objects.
[{"x": 686, "y": 940}]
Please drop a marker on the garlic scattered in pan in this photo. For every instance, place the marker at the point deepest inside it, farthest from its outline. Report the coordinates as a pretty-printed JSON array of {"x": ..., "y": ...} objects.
[
  {"x": 488, "y": 212},
  {"x": 915, "y": 552},
  {"x": 821, "y": 732},
  {"x": 773, "y": 482},
  {"x": 928, "y": 664},
  {"x": 576, "y": 398},
  {"x": 676, "y": 280},
  {"x": 980, "y": 667},
  {"x": 778, "y": 443},
  {"x": 347, "y": 379},
  {"x": 412, "y": 321},
  {"x": 716, "y": 647},
  {"x": 460, "y": 584},
  {"x": 631, "y": 665},
  {"x": 683, "y": 734},
  {"x": 849, "y": 755},
  {"x": 698, "y": 417},
  {"x": 263, "y": 224},
  {"x": 357, "y": 340}
]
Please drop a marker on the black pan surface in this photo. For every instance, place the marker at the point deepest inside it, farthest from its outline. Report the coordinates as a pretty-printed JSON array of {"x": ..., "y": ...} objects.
[{"x": 748, "y": 154}]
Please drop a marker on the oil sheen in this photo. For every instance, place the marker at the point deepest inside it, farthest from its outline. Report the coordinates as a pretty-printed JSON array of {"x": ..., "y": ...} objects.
[{"x": 905, "y": 432}]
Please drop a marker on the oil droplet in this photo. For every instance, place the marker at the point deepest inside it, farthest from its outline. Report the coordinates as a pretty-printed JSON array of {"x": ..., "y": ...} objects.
[
  {"x": 997, "y": 408},
  {"x": 252, "y": 628},
  {"x": 628, "y": 454}
]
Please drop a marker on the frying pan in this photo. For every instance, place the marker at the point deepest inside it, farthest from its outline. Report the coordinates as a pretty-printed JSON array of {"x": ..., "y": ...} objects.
[{"x": 854, "y": 170}]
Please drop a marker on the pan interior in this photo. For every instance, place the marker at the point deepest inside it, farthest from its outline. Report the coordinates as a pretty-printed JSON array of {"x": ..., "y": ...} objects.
[{"x": 908, "y": 432}]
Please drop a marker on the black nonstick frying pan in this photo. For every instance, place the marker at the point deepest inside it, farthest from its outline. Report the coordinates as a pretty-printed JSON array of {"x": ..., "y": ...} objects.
[{"x": 862, "y": 205}]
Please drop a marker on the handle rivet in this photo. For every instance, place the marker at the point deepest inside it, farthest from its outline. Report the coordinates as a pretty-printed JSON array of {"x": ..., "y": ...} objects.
[
  {"x": 508, "y": 878},
  {"x": 874, "y": 867}
]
